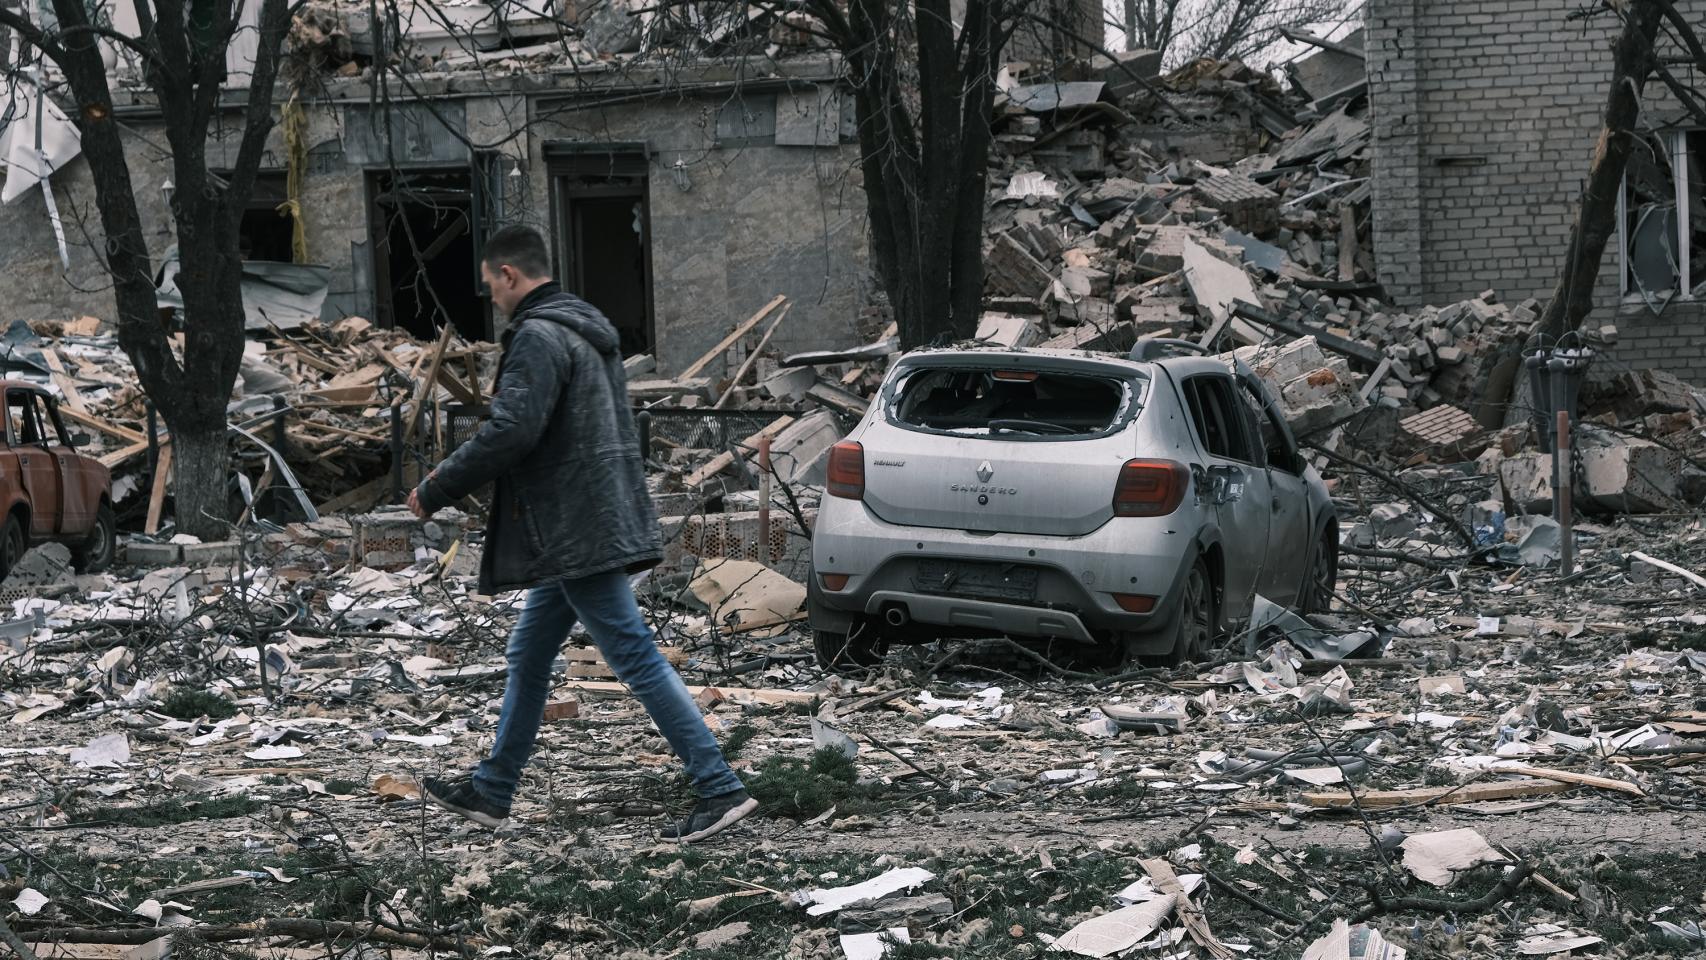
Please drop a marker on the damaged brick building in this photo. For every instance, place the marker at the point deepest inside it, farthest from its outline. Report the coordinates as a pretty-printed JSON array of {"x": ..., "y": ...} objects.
[
  {"x": 1484, "y": 120},
  {"x": 677, "y": 195}
]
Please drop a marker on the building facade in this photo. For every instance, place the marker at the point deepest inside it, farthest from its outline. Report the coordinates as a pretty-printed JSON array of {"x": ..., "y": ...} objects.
[
  {"x": 680, "y": 202},
  {"x": 1486, "y": 116}
]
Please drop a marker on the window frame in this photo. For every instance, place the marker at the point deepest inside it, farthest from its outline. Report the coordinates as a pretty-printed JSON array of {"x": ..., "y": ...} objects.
[
  {"x": 1196, "y": 404},
  {"x": 1675, "y": 141}
]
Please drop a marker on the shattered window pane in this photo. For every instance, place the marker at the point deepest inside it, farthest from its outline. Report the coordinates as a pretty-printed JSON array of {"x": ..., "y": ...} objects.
[{"x": 1009, "y": 402}]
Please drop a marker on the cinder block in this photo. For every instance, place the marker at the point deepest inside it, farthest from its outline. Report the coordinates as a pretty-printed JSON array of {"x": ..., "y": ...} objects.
[
  {"x": 202, "y": 554},
  {"x": 1632, "y": 476},
  {"x": 145, "y": 553}
]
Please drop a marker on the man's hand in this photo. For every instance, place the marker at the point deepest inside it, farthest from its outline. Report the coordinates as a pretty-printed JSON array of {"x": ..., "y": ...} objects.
[{"x": 415, "y": 503}]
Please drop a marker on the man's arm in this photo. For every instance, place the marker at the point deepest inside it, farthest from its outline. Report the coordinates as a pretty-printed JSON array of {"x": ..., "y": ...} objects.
[{"x": 525, "y": 395}]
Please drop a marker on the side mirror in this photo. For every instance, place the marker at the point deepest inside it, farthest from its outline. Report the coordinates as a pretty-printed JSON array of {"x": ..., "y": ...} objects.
[{"x": 81, "y": 440}]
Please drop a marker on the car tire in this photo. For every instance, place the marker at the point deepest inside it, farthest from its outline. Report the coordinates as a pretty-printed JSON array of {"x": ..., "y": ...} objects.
[
  {"x": 12, "y": 545},
  {"x": 1321, "y": 577},
  {"x": 1198, "y": 618},
  {"x": 96, "y": 553},
  {"x": 838, "y": 651}
]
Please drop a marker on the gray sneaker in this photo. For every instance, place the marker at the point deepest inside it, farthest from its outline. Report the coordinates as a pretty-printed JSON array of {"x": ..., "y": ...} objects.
[
  {"x": 711, "y": 816},
  {"x": 460, "y": 796}
]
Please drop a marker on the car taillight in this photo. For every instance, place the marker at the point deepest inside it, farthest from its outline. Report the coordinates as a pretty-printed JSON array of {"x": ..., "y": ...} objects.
[
  {"x": 1150, "y": 488},
  {"x": 834, "y": 581},
  {"x": 1134, "y": 603},
  {"x": 846, "y": 471}
]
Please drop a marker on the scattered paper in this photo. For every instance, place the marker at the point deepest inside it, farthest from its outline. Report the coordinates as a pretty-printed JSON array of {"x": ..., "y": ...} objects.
[
  {"x": 825, "y": 900},
  {"x": 29, "y": 901},
  {"x": 274, "y": 751},
  {"x": 951, "y": 721},
  {"x": 1435, "y": 858},
  {"x": 1440, "y": 686},
  {"x": 1345, "y": 942},
  {"x": 107, "y": 750},
  {"x": 826, "y": 737},
  {"x": 1118, "y": 930},
  {"x": 873, "y": 946}
]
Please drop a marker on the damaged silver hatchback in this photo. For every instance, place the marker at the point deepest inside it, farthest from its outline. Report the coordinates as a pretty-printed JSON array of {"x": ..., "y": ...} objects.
[{"x": 1125, "y": 507}]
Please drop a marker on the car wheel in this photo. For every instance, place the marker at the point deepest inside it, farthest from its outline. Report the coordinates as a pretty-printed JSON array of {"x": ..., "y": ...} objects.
[
  {"x": 96, "y": 553},
  {"x": 12, "y": 545},
  {"x": 1199, "y": 618},
  {"x": 836, "y": 651},
  {"x": 1322, "y": 576}
]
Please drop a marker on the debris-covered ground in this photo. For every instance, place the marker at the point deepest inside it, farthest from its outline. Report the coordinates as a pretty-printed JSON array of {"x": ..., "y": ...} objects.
[{"x": 1511, "y": 767}]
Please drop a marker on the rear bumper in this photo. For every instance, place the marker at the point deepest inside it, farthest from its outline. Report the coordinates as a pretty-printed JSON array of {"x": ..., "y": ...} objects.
[{"x": 1076, "y": 577}]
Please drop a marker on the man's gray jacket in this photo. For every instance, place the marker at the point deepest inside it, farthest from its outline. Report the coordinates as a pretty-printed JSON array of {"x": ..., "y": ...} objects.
[{"x": 570, "y": 494}]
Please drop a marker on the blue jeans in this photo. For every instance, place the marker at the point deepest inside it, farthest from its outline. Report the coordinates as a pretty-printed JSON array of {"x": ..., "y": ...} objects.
[{"x": 605, "y": 603}]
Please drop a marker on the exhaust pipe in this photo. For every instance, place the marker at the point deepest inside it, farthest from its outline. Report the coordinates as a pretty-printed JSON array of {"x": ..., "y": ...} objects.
[{"x": 895, "y": 616}]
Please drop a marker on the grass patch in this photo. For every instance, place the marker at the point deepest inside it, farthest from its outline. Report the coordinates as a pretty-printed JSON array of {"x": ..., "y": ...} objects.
[
  {"x": 739, "y": 736},
  {"x": 194, "y": 704},
  {"x": 164, "y": 813},
  {"x": 801, "y": 789}
]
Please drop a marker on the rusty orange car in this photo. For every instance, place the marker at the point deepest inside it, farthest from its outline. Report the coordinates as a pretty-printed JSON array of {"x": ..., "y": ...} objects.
[{"x": 50, "y": 492}]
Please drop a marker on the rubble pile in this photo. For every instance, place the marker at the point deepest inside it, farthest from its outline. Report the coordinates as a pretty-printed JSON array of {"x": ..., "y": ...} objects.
[{"x": 321, "y": 395}]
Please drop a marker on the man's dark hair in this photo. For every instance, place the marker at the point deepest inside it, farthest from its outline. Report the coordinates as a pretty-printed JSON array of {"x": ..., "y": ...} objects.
[{"x": 521, "y": 247}]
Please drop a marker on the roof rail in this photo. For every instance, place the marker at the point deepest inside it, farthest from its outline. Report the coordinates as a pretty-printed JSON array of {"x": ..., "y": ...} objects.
[{"x": 1154, "y": 348}]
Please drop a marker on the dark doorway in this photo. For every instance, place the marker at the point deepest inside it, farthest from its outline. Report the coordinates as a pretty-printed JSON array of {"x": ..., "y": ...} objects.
[
  {"x": 424, "y": 264},
  {"x": 264, "y": 233},
  {"x": 607, "y": 234},
  {"x": 604, "y": 234}
]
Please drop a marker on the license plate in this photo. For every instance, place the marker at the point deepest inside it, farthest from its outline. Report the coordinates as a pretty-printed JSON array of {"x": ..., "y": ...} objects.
[{"x": 980, "y": 581}]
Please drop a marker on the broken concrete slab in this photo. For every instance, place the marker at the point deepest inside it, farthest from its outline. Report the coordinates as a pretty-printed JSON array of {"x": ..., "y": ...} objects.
[
  {"x": 1005, "y": 330},
  {"x": 1011, "y": 269},
  {"x": 1631, "y": 476},
  {"x": 1217, "y": 285},
  {"x": 1117, "y": 71}
]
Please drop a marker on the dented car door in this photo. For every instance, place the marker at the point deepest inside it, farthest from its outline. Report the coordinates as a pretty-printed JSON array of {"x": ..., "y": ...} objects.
[
  {"x": 38, "y": 471},
  {"x": 80, "y": 478}
]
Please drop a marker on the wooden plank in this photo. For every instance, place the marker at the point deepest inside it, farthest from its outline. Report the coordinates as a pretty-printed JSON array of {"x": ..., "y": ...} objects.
[
  {"x": 721, "y": 461},
  {"x": 852, "y": 376},
  {"x": 838, "y": 398},
  {"x": 675, "y": 655},
  {"x": 157, "y": 494},
  {"x": 457, "y": 388},
  {"x": 1581, "y": 779},
  {"x": 694, "y": 368},
  {"x": 746, "y": 364},
  {"x": 361, "y": 394},
  {"x": 116, "y": 457},
  {"x": 368, "y": 493},
  {"x": 428, "y": 384},
  {"x": 1347, "y": 242},
  {"x": 96, "y": 423},
  {"x": 73, "y": 400},
  {"x": 1440, "y": 796},
  {"x": 765, "y": 622},
  {"x": 1688, "y": 575},
  {"x": 341, "y": 431},
  {"x": 731, "y": 693}
]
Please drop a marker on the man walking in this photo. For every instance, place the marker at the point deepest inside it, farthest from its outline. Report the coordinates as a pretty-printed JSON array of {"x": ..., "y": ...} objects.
[{"x": 570, "y": 521}]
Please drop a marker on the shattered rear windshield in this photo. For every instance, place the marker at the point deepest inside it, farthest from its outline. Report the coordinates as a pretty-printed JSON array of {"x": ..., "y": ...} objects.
[{"x": 1013, "y": 404}]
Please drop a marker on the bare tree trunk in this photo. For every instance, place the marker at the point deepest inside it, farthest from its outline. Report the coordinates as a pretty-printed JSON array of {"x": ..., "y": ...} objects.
[
  {"x": 1633, "y": 61},
  {"x": 1131, "y": 24}
]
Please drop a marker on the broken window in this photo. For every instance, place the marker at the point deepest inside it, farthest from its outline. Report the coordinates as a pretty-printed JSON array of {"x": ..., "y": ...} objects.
[
  {"x": 267, "y": 227},
  {"x": 426, "y": 269},
  {"x": 603, "y": 233},
  {"x": 1012, "y": 403},
  {"x": 1663, "y": 217},
  {"x": 1219, "y": 422},
  {"x": 24, "y": 418}
]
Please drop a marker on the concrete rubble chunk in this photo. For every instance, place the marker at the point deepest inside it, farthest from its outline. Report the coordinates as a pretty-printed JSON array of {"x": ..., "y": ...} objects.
[
  {"x": 1217, "y": 285},
  {"x": 1011, "y": 269},
  {"x": 1631, "y": 476},
  {"x": 1117, "y": 71}
]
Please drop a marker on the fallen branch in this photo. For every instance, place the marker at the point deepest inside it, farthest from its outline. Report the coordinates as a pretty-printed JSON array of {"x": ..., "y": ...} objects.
[
  {"x": 299, "y": 928},
  {"x": 1248, "y": 900},
  {"x": 1444, "y": 515},
  {"x": 20, "y": 947},
  {"x": 1502, "y": 891}
]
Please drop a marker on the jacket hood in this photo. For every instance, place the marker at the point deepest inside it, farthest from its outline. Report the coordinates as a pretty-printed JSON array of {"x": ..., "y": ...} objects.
[{"x": 583, "y": 318}]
